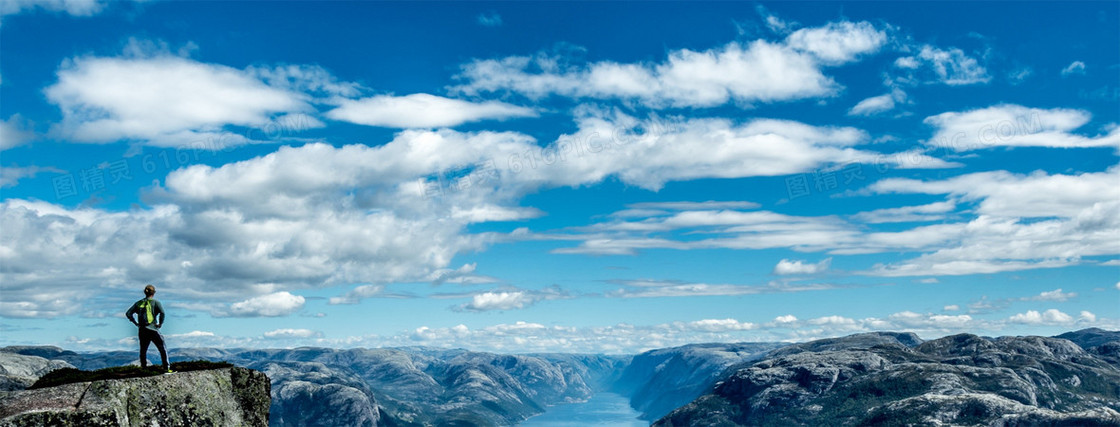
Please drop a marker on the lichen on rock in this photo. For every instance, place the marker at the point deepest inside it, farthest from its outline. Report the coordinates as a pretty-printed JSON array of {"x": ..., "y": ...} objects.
[{"x": 220, "y": 397}]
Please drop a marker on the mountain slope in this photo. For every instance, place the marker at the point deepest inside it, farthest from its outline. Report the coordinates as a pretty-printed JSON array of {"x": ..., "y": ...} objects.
[
  {"x": 960, "y": 380},
  {"x": 659, "y": 381}
]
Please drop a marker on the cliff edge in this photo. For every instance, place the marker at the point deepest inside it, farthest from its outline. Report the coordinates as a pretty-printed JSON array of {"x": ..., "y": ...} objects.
[{"x": 218, "y": 397}]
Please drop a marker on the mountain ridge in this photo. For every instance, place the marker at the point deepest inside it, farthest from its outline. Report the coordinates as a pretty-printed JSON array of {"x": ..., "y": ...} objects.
[{"x": 407, "y": 386}]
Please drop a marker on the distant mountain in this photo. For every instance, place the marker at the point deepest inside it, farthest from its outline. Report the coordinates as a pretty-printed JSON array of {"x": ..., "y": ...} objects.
[
  {"x": 19, "y": 371},
  {"x": 1092, "y": 337},
  {"x": 877, "y": 379},
  {"x": 880, "y": 378},
  {"x": 659, "y": 381},
  {"x": 403, "y": 386}
]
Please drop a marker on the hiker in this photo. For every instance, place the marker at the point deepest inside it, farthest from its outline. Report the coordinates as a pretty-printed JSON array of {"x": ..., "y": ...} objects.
[{"x": 149, "y": 318}]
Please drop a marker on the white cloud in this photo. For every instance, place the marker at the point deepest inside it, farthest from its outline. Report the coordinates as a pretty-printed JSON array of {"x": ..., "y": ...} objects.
[
  {"x": 1055, "y": 295},
  {"x": 759, "y": 71},
  {"x": 952, "y": 67},
  {"x": 1014, "y": 126},
  {"x": 786, "y": 267},
  {"x": 489, "y": 19},
  {"x": 1048, "y": 317},
  {"x": 676, "y": 288},
  {"x": 785, "y": 319},
  {"x": 10, "y": 176},
  {"x": 164, "y": 100},
  {"x": 357, "y": 294},
  {"x": 14, "y": 132},
  {"x": 306, "y": 79},
  {"x": 289, "y": 333},
  {"x": 510, "y": 299},
  {"x": 953, "y": 307},
  {"x": 1076, "y": 67},
  {"x": 719, "y": 325},
  {"x": 687, "y": 206},
  {"x": 422, "y": 110},
  {"x": 833, "y": 321},
  {"x": 1086, "y": 317},
  {"x": 923, "y": 213},
  {"x": 649, "y": 153},
  {"x": 873, "y": 105},
  {"x": 912, "y": 320},
  {"x": 1007, "y": 195},
  {"x": 1020, "y": 75},
  {"x": 838, "y": 42},
  {"x": 271, "y": 305},
  {"x": 499, "y": 301},
  {"x": 72, "y": 7}
]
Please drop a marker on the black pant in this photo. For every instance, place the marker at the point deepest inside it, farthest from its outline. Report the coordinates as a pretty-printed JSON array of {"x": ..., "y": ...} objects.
[{"x": 148, "y": 336}]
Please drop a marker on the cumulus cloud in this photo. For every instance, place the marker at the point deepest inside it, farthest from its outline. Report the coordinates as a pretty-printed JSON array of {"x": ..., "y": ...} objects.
[
  {"x": 1021, "y": 222},
  {"x": 422, "y": 110},
  {"x": 319, "y": 215},
  {"x": 786, "y": 267},
  {"x": 838, "y": 42},
  {"x": 952, "y": 67},
  {"x": 1048, "y": 317},
  {"x": 163, "y": 100},
  {"x": 510, "y": 299},
  {"x": 499, "y": 301},
  {"x": 648, "y": 153},
  {"x": 1014, "y": 126},
  {"x": 759, "y": 71},
  {"x": 271, "y": 305}
]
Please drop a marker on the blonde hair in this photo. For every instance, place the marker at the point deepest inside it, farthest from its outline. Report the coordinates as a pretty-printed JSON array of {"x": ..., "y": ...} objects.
[{"x": 149, "y": 290}]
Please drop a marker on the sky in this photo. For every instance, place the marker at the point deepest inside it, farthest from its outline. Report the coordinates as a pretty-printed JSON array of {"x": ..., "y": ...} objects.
[{"x": 556, "y": 176}]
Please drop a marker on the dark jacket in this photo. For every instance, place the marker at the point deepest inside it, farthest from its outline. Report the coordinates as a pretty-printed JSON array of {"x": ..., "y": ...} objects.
[{"x": 149, "y": 314}]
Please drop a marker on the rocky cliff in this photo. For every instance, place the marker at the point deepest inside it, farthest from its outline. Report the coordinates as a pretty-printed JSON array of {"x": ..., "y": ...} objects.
[
  {"x": 659, "y": 381},
  {"x": 18, "y": 371},
  {"x": 221, "y": 397},
  {"x": 885, "y": 379}
]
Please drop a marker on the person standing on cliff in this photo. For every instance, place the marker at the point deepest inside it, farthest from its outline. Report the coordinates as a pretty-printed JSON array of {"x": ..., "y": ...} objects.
[{"x": 149, "y": 318}]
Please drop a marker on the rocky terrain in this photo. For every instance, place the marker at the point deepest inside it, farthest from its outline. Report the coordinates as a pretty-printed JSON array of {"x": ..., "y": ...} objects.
[
  {"x": 402, "y": 386},
  {"x": 660, "y": 381},
  {"x": 230, "y": 396},
  {"x": 896, "y": 379},
  {"x": 866, "y": 379},
  {"x": 18, "y": 371}
]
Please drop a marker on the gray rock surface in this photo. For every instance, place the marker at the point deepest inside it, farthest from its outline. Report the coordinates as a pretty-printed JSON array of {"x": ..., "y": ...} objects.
[
  {"x": 220, "y": 397},
  {"x": 18, "y": 372},
  {"x": 659, "y": 381},
  {"x": 956, "y": 380},
  {"x": 312, "y": 394}
]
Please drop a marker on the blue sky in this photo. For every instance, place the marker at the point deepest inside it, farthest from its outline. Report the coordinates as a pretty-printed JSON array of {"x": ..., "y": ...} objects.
[{"x": 522, "y": 177}]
